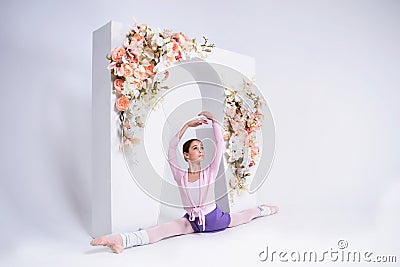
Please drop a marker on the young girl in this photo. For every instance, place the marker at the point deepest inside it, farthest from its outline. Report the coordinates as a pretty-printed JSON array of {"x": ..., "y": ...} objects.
[{"x": 197, "y": 193}]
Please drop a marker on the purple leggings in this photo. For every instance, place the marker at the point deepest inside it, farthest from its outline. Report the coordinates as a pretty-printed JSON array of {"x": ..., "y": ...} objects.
[{"x": 216, "y": 220}]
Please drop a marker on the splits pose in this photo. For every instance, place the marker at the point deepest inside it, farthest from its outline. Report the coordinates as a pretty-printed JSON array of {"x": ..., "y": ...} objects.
[{"x": 197, "y": 192}]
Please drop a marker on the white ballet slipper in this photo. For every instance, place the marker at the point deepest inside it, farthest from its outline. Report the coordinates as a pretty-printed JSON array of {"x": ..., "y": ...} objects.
[{"x": 266, "y": 210}]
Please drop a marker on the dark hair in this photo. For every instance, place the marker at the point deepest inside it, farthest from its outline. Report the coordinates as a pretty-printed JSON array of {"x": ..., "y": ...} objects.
[{"x": 186, "y": 146}]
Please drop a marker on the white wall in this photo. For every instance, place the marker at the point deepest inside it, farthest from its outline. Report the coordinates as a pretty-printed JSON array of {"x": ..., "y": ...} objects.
[{"x": 329, "y": 71}]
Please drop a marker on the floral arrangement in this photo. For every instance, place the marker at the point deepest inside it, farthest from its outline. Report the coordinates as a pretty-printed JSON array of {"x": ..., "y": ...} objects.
[
  {"x": 241, "y": 122},
  {"x": 139, "y": 67}
]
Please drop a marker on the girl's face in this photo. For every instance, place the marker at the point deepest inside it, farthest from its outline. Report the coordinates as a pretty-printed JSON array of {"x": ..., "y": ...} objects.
[{"x": 196, "y": 152}]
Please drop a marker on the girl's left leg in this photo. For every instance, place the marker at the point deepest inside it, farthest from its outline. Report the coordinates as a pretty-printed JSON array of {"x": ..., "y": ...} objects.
[
  {"x": 118, "y": 242},
  {"x": 250, "y": 214},
  {"x": 180, "y": 226}
]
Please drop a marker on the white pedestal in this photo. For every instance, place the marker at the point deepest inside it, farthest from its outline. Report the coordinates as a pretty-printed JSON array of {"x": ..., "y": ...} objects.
[{"x": 119, "y": 205}]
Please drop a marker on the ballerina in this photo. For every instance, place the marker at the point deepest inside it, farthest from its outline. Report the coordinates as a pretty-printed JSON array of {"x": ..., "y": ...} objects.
[{"x": 197, "y": 193}]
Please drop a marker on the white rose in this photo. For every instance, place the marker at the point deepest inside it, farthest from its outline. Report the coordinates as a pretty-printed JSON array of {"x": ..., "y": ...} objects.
[
  {"x": 136, "y": 93},
  {"x": 246, "y": 156},
  {"x": 128, "y": 87}
]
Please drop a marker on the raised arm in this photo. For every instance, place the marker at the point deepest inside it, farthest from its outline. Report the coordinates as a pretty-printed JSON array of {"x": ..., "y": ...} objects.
[
  {"x": 173, "y": 144},
  {"x": 219, "y": 144},
  {"x": 173, "y": 162},
  {"x": 219, "y": 147}
]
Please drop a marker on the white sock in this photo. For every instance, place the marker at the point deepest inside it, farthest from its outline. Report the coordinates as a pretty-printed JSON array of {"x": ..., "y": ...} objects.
[{"x": 137, "y": 238}]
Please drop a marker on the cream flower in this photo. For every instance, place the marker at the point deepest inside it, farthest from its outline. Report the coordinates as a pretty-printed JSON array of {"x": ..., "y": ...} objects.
[
  {"x": 129, "y": 132},
  {"x": 233, "y": 182},
  {"x": 227, "y": 91},
  {"x": 246, "y": 157},
  {"x": 231, "y": 112},
  {"x": 148, "y": 52},
  {"x": 129, "y": 87},
  {"x": 161, "y": 66},
  {"x": 128, "y": 71},
  {"x": 140, "y": 73},
  {"x": 236, "y": 123},
  {"x": 157, "y": 40},
  {"x": 136, "y": 93},
  {"x": 119, "y": 71},
  {"x": 135, "y": 48}
]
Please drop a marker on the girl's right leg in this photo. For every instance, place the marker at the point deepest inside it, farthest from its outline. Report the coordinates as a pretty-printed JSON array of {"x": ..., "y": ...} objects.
[{"x": 151, "y": 235}]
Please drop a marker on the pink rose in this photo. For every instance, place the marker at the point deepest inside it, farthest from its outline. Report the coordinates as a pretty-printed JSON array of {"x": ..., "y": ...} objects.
[
  {"x": 138, "y": 83},
  {"x": 138, "y": 38},
  {"x": 176, "y": 36},
  {"x": 133, "y": 62},
  {"x": 128, "y": 71},
  {"x": 255, "y": 128},
  {"x": 117, "y": 53},
  {"x": 140, "y": 73},
  {"x": 122, "y": 103},
  {"x": 175, "y": 47},
  {"x": 185, "y": 36},
  {"x": 254, "y": 151},
  {"x": 166, "y": 74},
  {"x": 150, "y": 70},
  {"x": 227, "y": 135},
  {"x": 118, "y": 85}
]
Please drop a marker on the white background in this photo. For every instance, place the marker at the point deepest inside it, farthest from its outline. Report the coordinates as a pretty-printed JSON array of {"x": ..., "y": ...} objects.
[{"x": 329, "y": 71}]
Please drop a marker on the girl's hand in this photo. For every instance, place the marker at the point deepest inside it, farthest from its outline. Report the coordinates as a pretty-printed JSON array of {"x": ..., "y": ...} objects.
[
  {"x": 208, "y": 115},
  {"x": 195, "y": 123}
]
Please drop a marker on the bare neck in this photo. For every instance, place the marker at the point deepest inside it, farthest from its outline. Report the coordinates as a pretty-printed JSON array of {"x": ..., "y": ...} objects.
[{"x": 194, "y": 167}]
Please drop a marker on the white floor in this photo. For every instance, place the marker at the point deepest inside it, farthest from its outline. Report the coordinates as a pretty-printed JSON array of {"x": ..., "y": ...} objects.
[{"x": 239, "y": 246}]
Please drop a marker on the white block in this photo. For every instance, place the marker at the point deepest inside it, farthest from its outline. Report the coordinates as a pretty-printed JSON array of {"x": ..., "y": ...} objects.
[{"x": 118, "y": 204}]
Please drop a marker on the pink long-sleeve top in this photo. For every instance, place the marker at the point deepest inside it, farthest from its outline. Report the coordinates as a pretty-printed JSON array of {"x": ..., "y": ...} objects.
[{"x": 206, "y": 202}]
